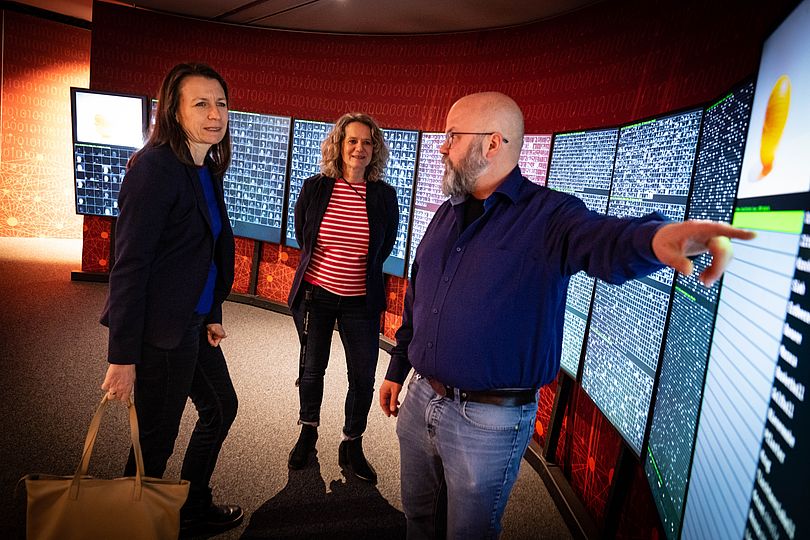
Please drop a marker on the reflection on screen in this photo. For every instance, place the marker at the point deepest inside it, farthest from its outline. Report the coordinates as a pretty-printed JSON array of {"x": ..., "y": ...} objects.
[
  {"x": 582, "y": 165},
  {"x": 305, "y": 162},
  {"x": 254, "y": 182},
  {"x": 109, "y": 119},
  {"x": 401, "y": 173},
  {"x": 750, "y": 469},
  {"x": 652, "y": 173},
  {"x": 686, "y": 347}
]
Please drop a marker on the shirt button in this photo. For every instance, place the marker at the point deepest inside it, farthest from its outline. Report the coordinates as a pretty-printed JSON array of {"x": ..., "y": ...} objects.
[
  {"x": 446, "y": 279},
  {"x": 430, "y": 344},
  {"x": 435, "y": 311},
  {"x": 458, "y": 249}
]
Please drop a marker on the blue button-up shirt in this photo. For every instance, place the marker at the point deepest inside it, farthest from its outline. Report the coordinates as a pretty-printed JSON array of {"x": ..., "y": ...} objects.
[{"x": 485, "y": 305}]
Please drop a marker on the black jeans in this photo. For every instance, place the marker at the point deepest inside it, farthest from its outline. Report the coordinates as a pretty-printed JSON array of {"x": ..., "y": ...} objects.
[
  {"x": 360, "y": 334},
  {"x": 164, "y": 380}
]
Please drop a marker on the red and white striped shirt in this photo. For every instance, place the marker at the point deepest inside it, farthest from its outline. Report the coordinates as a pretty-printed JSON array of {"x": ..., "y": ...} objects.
[{"x": 339, "y": 260}]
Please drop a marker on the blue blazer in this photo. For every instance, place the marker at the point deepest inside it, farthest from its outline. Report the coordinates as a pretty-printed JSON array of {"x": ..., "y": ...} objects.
[
  {"x": 383, "y": 219},
  {"x": 164, "y": 247}
]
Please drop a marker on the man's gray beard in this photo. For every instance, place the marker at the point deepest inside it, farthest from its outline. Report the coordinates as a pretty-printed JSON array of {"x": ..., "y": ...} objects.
[{"x": 460, "y": 180}]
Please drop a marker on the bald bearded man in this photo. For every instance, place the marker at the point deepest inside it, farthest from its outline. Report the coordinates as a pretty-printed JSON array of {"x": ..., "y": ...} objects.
[{"x": 483, "y": 317}]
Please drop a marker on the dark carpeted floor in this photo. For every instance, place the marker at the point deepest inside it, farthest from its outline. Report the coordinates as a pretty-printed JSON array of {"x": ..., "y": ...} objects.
[{"x": 52, "y": 363}]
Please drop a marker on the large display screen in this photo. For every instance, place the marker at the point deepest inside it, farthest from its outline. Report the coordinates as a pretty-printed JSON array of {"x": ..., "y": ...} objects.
[
  {"x": 653, "y": 172},
  {"x": 429, "y": 196},
  {"x": 401, "y": 173},
  {"x": 254, "y": 182},
  {"x": 691, "y": 320},
  {"x": 750, "y": 469},
  {"x": 533, "y": 160},
  {"x": 582, "y": 165},
  {"x": 305, "y": 162},
  {"x": 107, "y": 129}
]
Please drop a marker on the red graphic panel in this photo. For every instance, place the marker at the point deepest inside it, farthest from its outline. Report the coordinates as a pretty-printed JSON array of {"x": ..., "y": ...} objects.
[
  {"x": 41, "y": 60},
  {"x": 395, "y": 299},
  {"x": 642, "y": 523},
  {"x": 276, "y": 272},
  {"x": 595, "y": 447},
  {"x": 243, "y": 262},
  {"x": 96, "y": 244},
  {"x": 545, "y": 403}
]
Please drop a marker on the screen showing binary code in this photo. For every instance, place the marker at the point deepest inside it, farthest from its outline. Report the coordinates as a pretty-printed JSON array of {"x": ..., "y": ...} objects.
[
  {"x": 653, "y": 172},
  {"x": 691, "y": 320},
  {"x": 582, "y": 165}
]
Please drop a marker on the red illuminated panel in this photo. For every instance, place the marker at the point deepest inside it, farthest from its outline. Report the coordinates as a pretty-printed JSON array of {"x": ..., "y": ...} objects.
[
  {"x": 276, "y": 271},
  {"x": 96, "y": 244},
  {"x": 595, "y": 446},
  {"x": 395, "y": 299},
  {"x": 243, "y": 262}
]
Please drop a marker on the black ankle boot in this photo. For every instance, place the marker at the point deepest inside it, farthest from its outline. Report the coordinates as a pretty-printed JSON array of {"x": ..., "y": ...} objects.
[
  {"x": 350, "y": 456},
  {"x": 299, "y": 455}
]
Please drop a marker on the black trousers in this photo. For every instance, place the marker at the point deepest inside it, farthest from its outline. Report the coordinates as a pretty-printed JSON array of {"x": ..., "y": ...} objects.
[
  {"x": 360, "y": 333},
  {"x": 165, "y": 379}
]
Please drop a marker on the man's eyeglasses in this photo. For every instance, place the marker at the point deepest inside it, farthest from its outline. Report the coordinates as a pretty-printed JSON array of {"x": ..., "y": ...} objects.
[{"x": 448, "y": 137}]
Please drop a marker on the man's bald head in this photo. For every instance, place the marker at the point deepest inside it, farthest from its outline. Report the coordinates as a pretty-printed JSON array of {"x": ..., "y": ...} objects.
[{"x": 490, "y": 111}]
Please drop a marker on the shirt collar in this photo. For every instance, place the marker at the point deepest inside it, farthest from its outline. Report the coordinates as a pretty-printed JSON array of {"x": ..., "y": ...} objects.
[{"x": 510, "y": 187}]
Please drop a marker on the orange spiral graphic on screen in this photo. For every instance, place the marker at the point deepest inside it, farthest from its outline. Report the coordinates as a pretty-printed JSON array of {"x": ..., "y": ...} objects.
[{"x": 776, "y": 114}]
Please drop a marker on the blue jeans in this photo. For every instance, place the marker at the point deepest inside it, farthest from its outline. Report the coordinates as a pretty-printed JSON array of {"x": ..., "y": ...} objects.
[
  {"x": 471, "y": 450},
  {"x": 164, "y": 380},
  {"x": 360, "y": 333}
]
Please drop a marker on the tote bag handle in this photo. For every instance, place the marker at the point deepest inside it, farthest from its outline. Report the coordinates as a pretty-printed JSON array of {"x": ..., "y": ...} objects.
[{"x": 90, "y": 441}]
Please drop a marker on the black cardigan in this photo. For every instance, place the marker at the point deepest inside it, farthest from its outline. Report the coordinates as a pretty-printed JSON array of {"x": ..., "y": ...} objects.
[
  {"x": 383, "y": 219},
  {"x": 164, "y": 248}
]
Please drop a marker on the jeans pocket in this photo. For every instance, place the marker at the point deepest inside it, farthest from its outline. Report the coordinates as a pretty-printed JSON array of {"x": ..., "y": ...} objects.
[{"x": 492, "y": 417}]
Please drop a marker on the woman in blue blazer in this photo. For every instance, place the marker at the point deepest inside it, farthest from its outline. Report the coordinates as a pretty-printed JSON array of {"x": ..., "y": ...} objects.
[{"x": 173, "y": 269}]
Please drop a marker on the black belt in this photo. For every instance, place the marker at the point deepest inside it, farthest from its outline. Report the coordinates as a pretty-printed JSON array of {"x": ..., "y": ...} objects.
[{"x": 504, "y": 398}]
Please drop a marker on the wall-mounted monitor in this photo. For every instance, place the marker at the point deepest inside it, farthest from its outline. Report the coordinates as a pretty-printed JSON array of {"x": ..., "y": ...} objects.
[
  {"x": 691, "y": 319},
  {"x": 401, "y": 173},
  {"x": 750, "y": 470},
  {"x": 305, "y": 161},
  {"x": 653, "y": 172},
  {"x": 533, "y": 160},
  {"x": 254, "y": 182},
  {"x": 429, "y": 194},
  {"x": 107, "y": 129},
  {"x": 582, "y": 165}
]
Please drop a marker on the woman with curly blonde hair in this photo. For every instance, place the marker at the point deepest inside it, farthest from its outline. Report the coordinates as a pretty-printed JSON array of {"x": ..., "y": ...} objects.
[{"x": 346, "y": 223}]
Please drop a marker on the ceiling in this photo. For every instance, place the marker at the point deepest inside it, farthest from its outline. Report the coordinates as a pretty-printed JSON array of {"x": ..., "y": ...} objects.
[{"x": 345, "y": 16}]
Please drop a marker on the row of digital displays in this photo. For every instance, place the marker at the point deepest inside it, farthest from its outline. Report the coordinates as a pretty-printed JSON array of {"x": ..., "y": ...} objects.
[
  {"x": 708, "y": 384},
  {"x": 266, "y": 151}
]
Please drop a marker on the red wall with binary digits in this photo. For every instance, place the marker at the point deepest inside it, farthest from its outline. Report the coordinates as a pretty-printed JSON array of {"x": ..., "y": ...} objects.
[{"x": 605, "y": 65}]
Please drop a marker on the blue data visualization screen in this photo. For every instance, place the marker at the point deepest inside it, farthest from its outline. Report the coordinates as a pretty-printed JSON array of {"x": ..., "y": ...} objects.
[
  {"x": 691, "y": 320},
  {"x": 401, "y": 173},
  {"x": 750, "y": 471},
  {"x": 582, "y": 165},
  {"x": 653, "y": 172},
  {"x": 254, "y": 182},
  {"x": 305, "y": 161}
]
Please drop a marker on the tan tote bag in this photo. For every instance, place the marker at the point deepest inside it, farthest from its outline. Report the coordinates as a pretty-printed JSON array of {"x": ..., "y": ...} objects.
[{"x": 83, "y": 507}]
